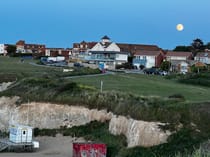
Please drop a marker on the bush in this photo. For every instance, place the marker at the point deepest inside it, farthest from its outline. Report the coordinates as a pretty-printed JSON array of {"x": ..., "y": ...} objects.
[{"x": 176, "y": 96}]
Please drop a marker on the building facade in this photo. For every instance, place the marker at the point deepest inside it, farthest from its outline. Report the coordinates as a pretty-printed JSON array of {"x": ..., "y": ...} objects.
[
  {"x": 22, "y": 47},
  {"x": 3, "y": 49},
  {"x": 148, "y": 59},
  {"x": 203, "y": 57}
]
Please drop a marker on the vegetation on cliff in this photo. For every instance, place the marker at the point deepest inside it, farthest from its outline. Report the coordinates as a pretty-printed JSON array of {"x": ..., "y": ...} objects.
[{"x": 149, "y": 98}]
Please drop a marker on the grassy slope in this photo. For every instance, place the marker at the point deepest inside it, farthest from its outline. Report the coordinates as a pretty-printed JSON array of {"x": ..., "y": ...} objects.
[
  {"x": 11, "y": 65},
  {"x": 63, "y": 90},
  {"x": 147, "y": 85}
]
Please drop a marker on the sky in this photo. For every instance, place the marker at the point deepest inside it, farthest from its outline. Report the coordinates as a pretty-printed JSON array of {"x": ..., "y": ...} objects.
[{"x": 60, "y": 23}]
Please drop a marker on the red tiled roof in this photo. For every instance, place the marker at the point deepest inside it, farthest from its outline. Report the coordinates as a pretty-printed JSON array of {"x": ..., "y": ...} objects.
[
  {"x": 21, "y": 42},
  {"x": 147, "y": 53},
  {"x": 179, "y": 54},
  {"x": 91, "y": 44},
  {"x": 132, "y": 48}
]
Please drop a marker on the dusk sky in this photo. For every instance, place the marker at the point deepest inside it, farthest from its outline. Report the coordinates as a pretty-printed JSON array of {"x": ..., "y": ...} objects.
[{"x": 59, "y": 23}]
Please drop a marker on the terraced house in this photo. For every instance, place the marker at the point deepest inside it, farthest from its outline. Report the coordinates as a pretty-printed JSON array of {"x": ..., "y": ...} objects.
[
  {"x": 22, "y": 47},
  {"x": 148, "y": 59}
]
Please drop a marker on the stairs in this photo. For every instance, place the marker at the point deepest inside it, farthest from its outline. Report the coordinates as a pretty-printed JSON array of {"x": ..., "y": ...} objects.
[{"x": 3, "y": 146}]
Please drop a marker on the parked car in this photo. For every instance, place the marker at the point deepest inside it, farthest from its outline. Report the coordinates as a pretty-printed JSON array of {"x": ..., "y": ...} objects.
[
  {"x": 153, "y": 71},
  {"x": 78, "y": 65},
  {"x": 163, "y": 73}
]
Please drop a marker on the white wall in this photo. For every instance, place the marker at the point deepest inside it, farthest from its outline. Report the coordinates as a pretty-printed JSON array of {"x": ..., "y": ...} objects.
[
  {"x": 47, "y": 52},
  {"x": 150, "y": 61},
  {"x": 113, "y": 47},
  {"x": 20, "y": 49},
  {"x": 183, "y": 67},
  {"x": 205, "y": 60},
  {"x": 2, "y": 49},
  {"x": 176, "y": 58},
  {"x": 122, "y": 57},
  {"x": 97, "y": 47}
]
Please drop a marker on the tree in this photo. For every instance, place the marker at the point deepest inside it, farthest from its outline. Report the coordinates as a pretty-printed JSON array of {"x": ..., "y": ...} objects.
[
  {"x": 197, "y": 46},
  {"x": 183, "y": 48},
  {"x": 207, "y": 46},
  {"x": 11, "y": 50},
  {"x": 165, "y": 65}
]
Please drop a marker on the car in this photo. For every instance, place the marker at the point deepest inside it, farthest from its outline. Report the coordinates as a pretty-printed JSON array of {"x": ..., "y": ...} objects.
[
  {"x": 162, "y": 72},
  {"x": 78, "y": 65},
  {"x": 153, "y": 71}
]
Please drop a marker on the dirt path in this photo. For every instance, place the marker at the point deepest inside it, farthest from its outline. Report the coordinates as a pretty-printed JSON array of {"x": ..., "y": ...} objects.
[{"x": 59, "y": 146}]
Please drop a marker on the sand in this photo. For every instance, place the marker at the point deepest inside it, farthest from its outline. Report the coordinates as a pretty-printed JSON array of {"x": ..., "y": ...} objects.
[{"x": 59, "y": 146}]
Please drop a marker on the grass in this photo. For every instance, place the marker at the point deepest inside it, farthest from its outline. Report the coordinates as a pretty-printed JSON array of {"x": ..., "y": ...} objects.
[
  {"x": 131, "y": 95},
  {"x": 13, "y": 66},
  {"x": 147, "y": 85}
]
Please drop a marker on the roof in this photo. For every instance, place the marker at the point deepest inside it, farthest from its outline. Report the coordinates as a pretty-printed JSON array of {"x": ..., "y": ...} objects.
[
  {"x": 21, "y": 42},
  {"x": 132, "y": 48},
  {"x": 90, "y": 44},
  {"x": 109, "y": 52},
  {"x": 178, "y": 54},
  {"x": 105, "y": 37},
  {"x": 147, "y": 53},
  {"x": 203, "y": 54},
  {"x": 20, "y": 126},
  {"x": 105, "y": 45}
]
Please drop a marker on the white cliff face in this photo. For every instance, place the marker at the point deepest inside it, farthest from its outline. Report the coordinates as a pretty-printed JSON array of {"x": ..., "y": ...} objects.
[
  {"x": 46, "y": 115},
  {"x": 138, "y": 133},
  {"x": 4, "y": 86}
]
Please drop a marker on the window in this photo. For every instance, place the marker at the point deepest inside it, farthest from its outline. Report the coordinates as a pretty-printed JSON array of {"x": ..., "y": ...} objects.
[{"x": 24, "y": 132}]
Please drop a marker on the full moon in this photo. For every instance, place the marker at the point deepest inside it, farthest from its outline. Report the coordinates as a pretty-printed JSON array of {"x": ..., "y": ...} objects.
[{"x": 179, "y": 27}]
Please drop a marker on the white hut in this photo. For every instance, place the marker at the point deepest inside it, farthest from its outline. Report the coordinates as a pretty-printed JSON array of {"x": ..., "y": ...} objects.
[{"x": 20, "y": 134}]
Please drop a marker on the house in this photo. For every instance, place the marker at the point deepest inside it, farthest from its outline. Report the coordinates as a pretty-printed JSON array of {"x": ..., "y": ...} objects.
[
  {"x": 148, "y": 59},
  {"x": 179, "y": 61},
  {"x": 178, "y": 56},
  {"x": 182, "y": 67},
  {"x": 109, "y": 58},
  {"x": 105, "y": 45},
  {"x": 22, "y": 47},
  {"x": 3, "y": 50},
  {"x": 82, "y": 47},
  {"x": 54, "y": 52},
  {"x": 203, "y": 57}
]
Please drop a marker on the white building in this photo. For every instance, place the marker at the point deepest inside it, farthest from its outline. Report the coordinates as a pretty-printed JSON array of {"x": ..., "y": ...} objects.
[
  {"x": 148, "y": 59},
  {"x": 2, "y": 49},
  {"x": 20, "y": 134},
  {"x": 181, "y": 56},
  {"x": 203, "y": 57},
  {"x": 106, "y": 45}
]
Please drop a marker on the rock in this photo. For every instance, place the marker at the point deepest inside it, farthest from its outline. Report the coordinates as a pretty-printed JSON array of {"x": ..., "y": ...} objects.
[
  {"x": 138, "y": 133},
  {"x": 46, "y": 115},
  {"x": 4, "y": 86}
]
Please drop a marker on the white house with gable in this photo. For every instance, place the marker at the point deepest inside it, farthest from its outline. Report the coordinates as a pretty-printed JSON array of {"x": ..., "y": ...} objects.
[
  {"x": 108, "y": 53},
  {"x": 106, "y": 45}
]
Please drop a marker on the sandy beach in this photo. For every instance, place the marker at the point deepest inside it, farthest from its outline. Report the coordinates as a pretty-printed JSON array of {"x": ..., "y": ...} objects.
[{"x": 59, "y": 146}]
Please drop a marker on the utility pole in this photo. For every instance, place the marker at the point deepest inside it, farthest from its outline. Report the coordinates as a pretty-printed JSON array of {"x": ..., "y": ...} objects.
[{"x": 102, "y": 86}]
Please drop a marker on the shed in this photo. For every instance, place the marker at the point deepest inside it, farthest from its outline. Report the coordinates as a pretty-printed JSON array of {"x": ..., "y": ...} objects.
[{"x": 20, "y": 133}]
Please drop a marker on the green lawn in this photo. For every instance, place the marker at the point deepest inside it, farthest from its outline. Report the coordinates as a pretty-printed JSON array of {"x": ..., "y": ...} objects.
[
  {"x": 147, "y": 85},
  {"x": 13, "y": 65},
  {"x": 132, "y": 83}
]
